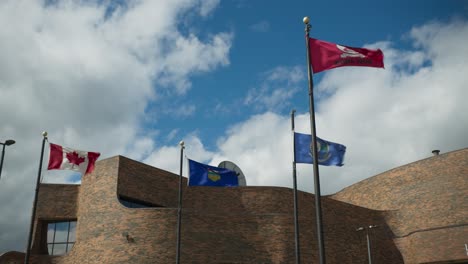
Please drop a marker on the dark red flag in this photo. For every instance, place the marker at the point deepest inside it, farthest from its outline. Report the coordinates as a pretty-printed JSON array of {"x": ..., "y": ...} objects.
[{"x": 325, "y": 55}]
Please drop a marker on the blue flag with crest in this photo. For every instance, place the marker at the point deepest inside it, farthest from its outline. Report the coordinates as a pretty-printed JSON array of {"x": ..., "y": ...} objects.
[
  {"x": 205, "y": 175},
  {"x": 329, "y": 153}
]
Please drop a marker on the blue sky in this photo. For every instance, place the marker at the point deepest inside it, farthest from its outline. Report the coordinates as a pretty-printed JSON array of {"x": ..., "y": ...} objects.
[
  {"x": 269, "y": 35},
  {"x": 133, "y": 78}
]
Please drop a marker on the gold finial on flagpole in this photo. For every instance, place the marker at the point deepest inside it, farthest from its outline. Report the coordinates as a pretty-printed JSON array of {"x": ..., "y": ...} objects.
[
  {"x": 306, "y": 21},
  {"x": 44, "y": 134}
]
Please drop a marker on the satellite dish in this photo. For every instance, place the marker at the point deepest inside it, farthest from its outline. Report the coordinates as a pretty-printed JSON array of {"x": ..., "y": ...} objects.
[{"x": 232, "y": 166}]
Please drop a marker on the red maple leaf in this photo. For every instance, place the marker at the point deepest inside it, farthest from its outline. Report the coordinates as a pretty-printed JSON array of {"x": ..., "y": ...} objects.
[{"x": 74, "y": 158}]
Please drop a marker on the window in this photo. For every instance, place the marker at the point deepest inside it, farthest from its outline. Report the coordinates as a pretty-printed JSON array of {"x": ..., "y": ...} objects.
[
  {"x": 61, "y": 237},
  {"x": 133, "y": 203}
]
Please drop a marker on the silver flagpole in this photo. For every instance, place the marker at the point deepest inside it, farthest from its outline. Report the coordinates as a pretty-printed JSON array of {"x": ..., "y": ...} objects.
[
  {"x": 33, "y": 215},
  {"x": 179, "y": 207},
  {"x": 296, "y": 219},
  {"x": 318, "y": 204}
]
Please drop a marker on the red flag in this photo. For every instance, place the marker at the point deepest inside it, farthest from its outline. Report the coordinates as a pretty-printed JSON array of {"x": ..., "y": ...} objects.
[
  {"x": 326, "y": 55},
  {"x": 63, "y": 158}
]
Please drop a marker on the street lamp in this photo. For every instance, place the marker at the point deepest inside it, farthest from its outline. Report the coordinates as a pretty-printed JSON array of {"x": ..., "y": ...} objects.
[
  {"x": 369, "y": 256},
  {"x": 7, "y": 143}
]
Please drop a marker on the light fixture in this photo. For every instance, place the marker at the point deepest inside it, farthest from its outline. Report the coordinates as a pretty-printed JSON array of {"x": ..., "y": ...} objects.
[{"x": 8, "y": 142}]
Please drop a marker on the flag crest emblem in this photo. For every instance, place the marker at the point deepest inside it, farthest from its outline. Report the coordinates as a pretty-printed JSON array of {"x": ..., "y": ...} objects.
[
  {"x": 323, "y": 151},
  {"x": 329, "y": 153},
  {"x": 347, "y": 52},
  {"x": 213, "y": 175},
  {"x": 205, "y": 175}
]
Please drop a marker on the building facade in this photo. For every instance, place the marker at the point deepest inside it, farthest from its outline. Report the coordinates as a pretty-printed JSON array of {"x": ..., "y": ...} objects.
[{"x": 126, "y": 212}]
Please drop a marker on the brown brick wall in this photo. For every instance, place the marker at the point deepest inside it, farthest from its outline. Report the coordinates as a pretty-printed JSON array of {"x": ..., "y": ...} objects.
[
  {"x": 433, "y": 179},
  {"x": 436, "y": 245},
  {"x": 55, "y": 202},
  {"x": 219, "y": 225},
  {"x": 247, "y": 224},
  {"x": 146, "y": 183},
  {"x": 12, "y": 257},
  {"x": 426, "y": 203}
]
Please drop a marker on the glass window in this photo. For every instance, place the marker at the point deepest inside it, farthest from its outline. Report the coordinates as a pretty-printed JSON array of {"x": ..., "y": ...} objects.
[
  {"x": 61, "y": 237},
  {"x": 59, "y": 249},
  {"x": 72, "y": 233},
  {"x": 61, "y": 232}
]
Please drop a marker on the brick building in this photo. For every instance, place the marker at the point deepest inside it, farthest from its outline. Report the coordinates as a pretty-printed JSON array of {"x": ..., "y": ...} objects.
[{"x": 125, "y": 212}]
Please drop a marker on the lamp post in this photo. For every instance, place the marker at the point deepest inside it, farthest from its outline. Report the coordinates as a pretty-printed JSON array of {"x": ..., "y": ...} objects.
[
  {"x": 369, "y": 256},
  {"x": 7, "y": 143}
]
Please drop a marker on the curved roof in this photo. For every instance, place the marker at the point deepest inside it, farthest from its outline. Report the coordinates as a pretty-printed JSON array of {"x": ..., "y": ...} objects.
[{"x": 422, "y": 195}]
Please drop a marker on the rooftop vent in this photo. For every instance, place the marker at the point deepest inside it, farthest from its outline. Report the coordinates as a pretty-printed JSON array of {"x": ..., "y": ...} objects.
[{"x": 436, "y": 152}]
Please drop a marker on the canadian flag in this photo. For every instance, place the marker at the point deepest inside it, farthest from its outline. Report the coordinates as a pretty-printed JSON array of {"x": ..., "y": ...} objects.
[{"x": 63, "y": 158}]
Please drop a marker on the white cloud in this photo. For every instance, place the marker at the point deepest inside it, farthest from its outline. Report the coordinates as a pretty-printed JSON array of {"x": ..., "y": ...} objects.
[
  {"x": 171, "y": 135},
  {"x": 168, "y": 157},
  {"x": 190, "y": 55},
  {"x": 386, "y": 117},
  {"x": 207, "y": 6},
  {"x": 277, "y": 86},
  {"x": 86, "y": 75},
  {"x": 141, "y": 148},
  {"x": 261, "y": 147},
  {"x": 182, "y": 111},
  {"x": 262, "y": 26}
]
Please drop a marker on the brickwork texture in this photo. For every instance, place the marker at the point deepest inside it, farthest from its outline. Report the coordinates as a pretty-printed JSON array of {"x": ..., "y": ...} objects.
[{"x": 420, "y": 210}]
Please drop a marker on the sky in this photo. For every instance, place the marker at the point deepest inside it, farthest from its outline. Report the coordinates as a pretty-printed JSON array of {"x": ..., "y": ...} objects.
[{"x": 134, "y": 78}]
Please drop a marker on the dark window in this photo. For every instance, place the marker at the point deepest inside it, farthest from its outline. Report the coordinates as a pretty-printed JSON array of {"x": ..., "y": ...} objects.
[
  {"x": 133, "y": 203},
  {"x": 61, "y": 237}
]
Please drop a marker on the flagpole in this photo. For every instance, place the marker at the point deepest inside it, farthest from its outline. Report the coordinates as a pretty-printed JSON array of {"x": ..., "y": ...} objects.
[
  {"x": 318, "y": 206},
  {"x": 296, "y": 219},
  {"x": 33, "y": 216},
  {"x": 179, "y": 207}
]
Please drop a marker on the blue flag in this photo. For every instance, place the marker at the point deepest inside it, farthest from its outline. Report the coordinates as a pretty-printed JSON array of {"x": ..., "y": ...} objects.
[
  {"x": 329, "y": 153},
  {"x": 206, "y": 175}
]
